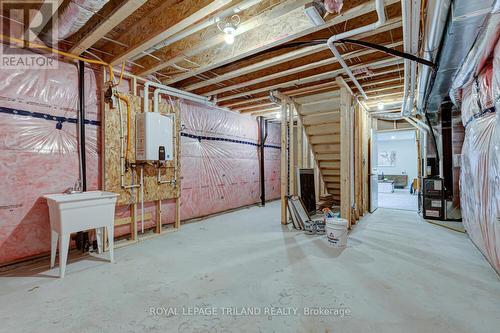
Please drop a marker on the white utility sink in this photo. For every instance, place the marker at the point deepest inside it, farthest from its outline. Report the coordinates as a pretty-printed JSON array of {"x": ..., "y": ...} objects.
[{"x": 75, "y": 212}]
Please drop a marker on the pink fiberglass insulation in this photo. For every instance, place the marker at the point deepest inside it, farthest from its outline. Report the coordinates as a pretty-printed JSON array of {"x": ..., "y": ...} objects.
[
  {"x": 75, "y": 14},
  {"x": 272, "y": 160},
  {"x": 36, "y": 157},
  {"x": 477, "y": 95},
  {"x": 495, "y": 80},
  {"x": 219, "y": 162},
  {"x": 333, "y": 6}
]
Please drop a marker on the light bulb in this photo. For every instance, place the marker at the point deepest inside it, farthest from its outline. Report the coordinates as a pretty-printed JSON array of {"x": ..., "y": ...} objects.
[
  {"x": 278, "y": 115},
  {"x": 229, "y": 39},
  {"x": 229, "y": 33},
  {"x": 380, "y": 106}
]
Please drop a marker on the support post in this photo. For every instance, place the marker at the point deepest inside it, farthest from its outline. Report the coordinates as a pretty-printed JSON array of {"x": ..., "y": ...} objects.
[
  {"x": 283, "y": 169},
  {"x": 291, "y": 149},
  {"x": 345, "y": 155},
  {"x": 300, "y": 143},
  {"x": 158, "y": 217},
  {"x": 177, "y": 213},
  {"x": 262, "y": 141}
]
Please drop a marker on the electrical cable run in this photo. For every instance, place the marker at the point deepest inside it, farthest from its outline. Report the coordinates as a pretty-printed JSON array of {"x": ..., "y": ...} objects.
[
  {"x": 211, "y": 138},
  {"x": 479, "y": 115},
  {"x": 60, "y": 120},
  {"x": 39, "y": 115}
]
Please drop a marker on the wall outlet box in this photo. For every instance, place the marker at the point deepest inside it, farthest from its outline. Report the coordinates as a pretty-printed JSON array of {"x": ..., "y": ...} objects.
[{"x": 154, "y": 137}]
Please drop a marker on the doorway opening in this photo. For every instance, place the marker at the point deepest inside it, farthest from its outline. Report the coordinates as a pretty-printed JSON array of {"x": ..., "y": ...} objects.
[{"x": 397, "y": 169}]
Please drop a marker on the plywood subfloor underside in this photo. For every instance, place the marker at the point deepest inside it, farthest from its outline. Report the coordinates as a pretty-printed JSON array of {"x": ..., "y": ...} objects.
[{"x": 398, "y": 274}]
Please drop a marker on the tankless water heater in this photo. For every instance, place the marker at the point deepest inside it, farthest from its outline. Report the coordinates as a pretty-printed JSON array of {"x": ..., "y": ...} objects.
[{"x": 154, "y": 136}]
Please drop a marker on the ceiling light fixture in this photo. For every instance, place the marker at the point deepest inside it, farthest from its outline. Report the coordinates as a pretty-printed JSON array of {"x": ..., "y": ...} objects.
[
  {"x": 278, "y": 115},
  {"x": 229, "y": 28},
  {"x": 380, "y": 106}
]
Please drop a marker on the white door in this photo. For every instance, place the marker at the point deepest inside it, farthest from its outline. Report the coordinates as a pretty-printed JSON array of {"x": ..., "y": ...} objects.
[{"x": 373, "y": 171}]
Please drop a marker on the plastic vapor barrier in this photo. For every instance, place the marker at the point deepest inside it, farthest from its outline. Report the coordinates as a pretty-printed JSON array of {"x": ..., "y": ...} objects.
[
  {"x": 39, "y": 152},
  {"x": 220, "y": 162},
  {"x": 39, "y": 155},
  {"x": 76, "y": 14},
  {"x": 480, "y": 168}
]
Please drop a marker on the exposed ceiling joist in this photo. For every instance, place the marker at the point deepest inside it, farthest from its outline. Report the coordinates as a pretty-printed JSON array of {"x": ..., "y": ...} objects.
[
  {"x": 161, "y": 24},
  {"x": 313, "y": 78},
  {"x": 196, "y": 43},
  {"x": 253, "y": 107},
  {"x": 105, "y": 26},
  {"x": 311, "y": 90},
  {"x": 294, "y": 70},
  {"x": 317, "y": 97},
  {"x": 303, "y": 52},
  {"x": 294, "y": 24}
]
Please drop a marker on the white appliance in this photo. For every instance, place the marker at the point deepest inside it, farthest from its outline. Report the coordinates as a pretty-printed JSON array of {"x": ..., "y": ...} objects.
[
  {"x": 373, "y": 171},
  {"x": 154, "y": 136}
]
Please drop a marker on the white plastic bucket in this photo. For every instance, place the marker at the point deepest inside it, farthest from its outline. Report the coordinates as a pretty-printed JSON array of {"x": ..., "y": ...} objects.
[{"x": 336, "y": 231}]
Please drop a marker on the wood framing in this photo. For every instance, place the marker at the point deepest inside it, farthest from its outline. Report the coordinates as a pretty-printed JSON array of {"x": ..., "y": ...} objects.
[
  {"x": 284, "y": 162},
  {"x": 294, "y": 22},
  {"x": 291, "y": 149},
  {"x": 286, "y": 57},
  {"x": 156, "y": 26},
  {"x": 119, "y": 14},
  {"x": 345, "y": 147},
  {"x": 313, "y": 78}
]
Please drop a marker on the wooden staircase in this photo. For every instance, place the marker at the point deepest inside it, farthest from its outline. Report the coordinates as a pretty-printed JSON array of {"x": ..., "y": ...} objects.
[{"x": 320, "y": 116}]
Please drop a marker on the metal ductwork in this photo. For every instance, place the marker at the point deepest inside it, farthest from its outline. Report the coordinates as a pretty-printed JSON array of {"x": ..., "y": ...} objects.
[{"x": 465, "y": 21}]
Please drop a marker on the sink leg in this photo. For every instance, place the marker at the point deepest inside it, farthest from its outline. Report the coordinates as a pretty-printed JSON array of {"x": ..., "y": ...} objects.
[
  {"x": 53, "y": 247},
  {"x": 98, "y": 236},
  {"x": 110, "y": 241},
  {"x": 63, "y": 253}
]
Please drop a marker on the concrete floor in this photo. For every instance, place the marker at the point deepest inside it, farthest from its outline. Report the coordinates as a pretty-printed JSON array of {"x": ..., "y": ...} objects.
[
  {"x": 398, "y": 274},
  {"x": 399, "y": 199}
]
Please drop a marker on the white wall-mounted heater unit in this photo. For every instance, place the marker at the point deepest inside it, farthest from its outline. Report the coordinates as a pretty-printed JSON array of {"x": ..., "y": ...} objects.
[{"x": 154, "y": 137}]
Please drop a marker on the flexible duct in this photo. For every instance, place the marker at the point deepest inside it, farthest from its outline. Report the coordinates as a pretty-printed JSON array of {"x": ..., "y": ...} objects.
[{"x": 438, "y": 10}]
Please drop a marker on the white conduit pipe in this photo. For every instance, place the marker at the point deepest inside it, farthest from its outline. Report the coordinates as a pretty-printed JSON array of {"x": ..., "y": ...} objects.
[
  {"x": 415, "y": 29},
  {"x": 172, "y": 92},
  {"x": 424, "y": 129},
  {"x": 379, "y": 6},
  {"x": 405, "y": 14}
]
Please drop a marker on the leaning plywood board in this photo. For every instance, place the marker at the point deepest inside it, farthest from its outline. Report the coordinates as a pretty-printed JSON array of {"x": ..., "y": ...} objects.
[
  {"x": 111, "y": 149},
  {"x": 111, "y": 144},
  {"x": 152, "y": 190}
]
